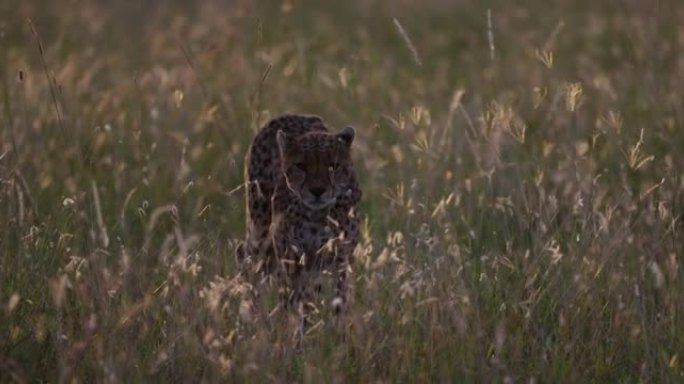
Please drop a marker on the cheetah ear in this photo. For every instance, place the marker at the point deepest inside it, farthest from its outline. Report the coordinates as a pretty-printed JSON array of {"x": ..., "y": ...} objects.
[{"x": 346, "y": 135}]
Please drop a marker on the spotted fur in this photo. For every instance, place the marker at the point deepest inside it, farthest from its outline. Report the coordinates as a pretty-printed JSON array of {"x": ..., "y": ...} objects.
[{"x": 302, "y": 198}]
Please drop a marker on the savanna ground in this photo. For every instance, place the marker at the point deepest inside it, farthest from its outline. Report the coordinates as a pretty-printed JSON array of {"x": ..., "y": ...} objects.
[{"x": 521, "y": 164}]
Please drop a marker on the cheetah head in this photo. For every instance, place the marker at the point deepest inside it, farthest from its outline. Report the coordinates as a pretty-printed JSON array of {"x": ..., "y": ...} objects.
[{"x": 317, "y": 166}]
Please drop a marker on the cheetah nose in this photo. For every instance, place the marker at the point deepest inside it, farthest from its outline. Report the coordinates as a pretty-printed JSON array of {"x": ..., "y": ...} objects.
[{"x": 317, "y": 192}]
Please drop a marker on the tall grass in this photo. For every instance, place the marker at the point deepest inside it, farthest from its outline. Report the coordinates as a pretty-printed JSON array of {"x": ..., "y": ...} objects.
[{"x": 521, "y": 167}]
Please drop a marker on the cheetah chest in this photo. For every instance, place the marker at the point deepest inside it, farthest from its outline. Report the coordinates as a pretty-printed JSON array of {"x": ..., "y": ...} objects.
[{"x": 312, "y": 239}]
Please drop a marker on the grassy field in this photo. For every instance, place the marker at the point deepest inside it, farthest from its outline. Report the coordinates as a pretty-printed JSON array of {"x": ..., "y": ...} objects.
[{"x": 521, "y": 166}]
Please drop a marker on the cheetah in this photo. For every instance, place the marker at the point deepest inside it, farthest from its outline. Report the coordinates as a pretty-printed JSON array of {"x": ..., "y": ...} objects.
[{"x": 301, "y": 201}]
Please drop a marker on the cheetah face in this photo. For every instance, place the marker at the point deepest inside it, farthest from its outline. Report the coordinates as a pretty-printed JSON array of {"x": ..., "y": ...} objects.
[{"x": 317, "y": 166}]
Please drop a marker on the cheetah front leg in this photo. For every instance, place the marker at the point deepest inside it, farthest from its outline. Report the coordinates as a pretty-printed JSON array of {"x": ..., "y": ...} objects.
[
  {"x": 341, "y": 273},
  {"x": 253, "y": 252},
  {"x": 296, "y": 295},
  {"x": 344, "y": 252},
  {"x": 291, "y": 276}
]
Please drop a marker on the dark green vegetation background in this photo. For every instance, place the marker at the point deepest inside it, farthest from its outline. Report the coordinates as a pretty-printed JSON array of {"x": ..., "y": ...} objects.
[{"x": 523, "y": 194}]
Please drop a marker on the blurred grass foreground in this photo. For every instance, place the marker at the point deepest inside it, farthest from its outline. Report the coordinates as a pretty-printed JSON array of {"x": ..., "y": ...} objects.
[{"x": 521, "y": 165}]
